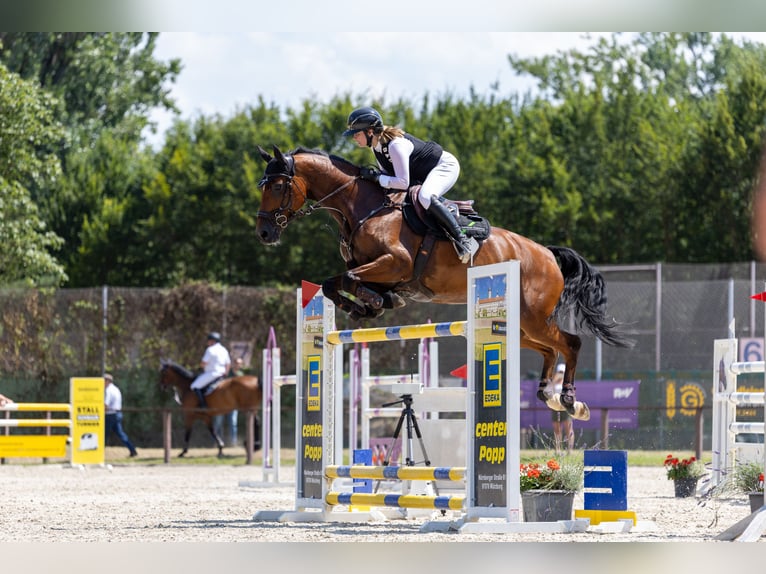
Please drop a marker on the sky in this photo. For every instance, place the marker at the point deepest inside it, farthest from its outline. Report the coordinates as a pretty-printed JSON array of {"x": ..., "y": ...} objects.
[{"x": 226, "y": 71}]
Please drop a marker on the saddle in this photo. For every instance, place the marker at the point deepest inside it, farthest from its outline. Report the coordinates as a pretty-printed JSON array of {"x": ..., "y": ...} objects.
[{"x": 423, "y": 223}]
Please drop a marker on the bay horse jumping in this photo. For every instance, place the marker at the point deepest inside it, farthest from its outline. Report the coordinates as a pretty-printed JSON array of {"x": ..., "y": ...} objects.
[
  {"x": 242, "y": 393},
  {"x": 384, "y": 270}
]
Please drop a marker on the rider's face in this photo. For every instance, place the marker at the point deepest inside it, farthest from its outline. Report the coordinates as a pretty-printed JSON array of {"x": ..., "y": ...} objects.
[{"x": 360, "y": 138}]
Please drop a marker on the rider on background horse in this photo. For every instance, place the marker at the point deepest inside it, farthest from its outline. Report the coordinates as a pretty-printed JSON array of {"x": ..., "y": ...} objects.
[
  {"x": 405, "y": 160},
  {"x": 215, "y": 364}
]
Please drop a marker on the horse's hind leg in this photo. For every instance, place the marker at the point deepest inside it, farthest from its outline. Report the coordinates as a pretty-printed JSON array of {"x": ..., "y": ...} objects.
[
  {"x": 545, "y": 387},
  {"x": 187, "y": 436},
  {"x": 568, "y": 345}
]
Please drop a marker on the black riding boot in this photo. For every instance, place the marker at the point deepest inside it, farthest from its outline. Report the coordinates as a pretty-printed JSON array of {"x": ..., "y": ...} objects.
[
  {"x": 445, "y": 218},
  {"x": 201, "y": 398}
]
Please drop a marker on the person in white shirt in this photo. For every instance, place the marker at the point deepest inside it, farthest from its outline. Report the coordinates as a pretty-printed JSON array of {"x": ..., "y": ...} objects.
[
  {"x": 113, "y": 409},
  {"x": 215, "y": 363}
]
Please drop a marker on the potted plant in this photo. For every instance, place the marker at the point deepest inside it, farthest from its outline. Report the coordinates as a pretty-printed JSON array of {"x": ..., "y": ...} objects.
[
  {"x": 684, "y": 472},
  {"x": 548, "y": 488},
  {"x": 748, "y": 478}
]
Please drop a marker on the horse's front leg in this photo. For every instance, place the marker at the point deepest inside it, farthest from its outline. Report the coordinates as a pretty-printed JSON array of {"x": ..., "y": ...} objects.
[
  {"x": 347, "y": 302},
  {"x": 357, "y": 283},
  {"x": 218, "y": 440}
]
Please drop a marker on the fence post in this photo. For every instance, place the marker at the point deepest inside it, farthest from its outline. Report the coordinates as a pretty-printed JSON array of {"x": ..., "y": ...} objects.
[
  {"x": 167, "y": 416},
  {"x": 699, "y": 419},
  {"x": 605, "y": 428},
  {"x": 249, "y": 436}
]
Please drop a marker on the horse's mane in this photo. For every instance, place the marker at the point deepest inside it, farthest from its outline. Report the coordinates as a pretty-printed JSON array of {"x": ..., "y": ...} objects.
[
  {"x": 183, "y": 371},
  {"x": 345, "y": 165}
]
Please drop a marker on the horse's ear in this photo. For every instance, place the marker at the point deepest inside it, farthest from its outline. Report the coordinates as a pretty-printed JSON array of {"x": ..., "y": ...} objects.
[
  {"x": 264, "y": 154},
  {"x": 279, "y": 155}
]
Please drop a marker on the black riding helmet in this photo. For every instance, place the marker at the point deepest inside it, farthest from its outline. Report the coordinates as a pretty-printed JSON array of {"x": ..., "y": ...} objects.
[
  {"x": 214, "y": 337},
  {"x": 362, "y": 119}
]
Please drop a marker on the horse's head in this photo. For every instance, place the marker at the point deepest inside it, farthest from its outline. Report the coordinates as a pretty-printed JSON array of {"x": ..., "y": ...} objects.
[
  {"x": 172, "y": 374},
  {"x": 280, "y": 198}
]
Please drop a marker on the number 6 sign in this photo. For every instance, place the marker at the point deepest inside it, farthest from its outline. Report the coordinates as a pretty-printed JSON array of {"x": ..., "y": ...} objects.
[{"x": 750, "y": 349}]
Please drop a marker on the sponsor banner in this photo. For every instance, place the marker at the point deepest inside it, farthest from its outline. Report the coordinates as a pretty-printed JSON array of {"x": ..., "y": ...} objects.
[
  {"x": 33, "y": 446},
  {"x": 88, "y": 428},
  {"x": 312, "y": 429},
  {"x": 620, "y": 397}
]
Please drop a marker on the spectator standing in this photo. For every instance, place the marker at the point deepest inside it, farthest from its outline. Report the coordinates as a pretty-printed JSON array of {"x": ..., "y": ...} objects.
[
  {"x": 229, "y": 418},
  {"x": 113, "y": 406}
]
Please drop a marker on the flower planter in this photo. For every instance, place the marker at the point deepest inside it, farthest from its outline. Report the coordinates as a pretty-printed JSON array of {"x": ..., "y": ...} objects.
[
  {"x": 547, "y": 505},
  {"x": 756, "y": 501},
  {"x": 685, "y": 487}
]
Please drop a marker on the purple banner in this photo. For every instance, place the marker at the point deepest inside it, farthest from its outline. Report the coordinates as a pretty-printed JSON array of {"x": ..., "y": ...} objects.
[{"x": 620, "y": 397}]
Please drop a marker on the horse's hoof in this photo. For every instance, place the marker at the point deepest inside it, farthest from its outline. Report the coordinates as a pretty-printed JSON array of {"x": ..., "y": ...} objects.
[
  {"x": 554, "y": 403},
  {"x": 580, "y": 411},
  {"x": 545, "y": 391},
  {"x": 567, "y": 399},
  {"x": 182, "y": 454}
]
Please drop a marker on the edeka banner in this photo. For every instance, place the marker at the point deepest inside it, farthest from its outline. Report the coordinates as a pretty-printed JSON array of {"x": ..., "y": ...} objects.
[
  {"x": 311, "y": 430},
  {"x": 87, "y": 399},
  {"x": 620, "y": 397},
  {"x": 490, "y": 430}
]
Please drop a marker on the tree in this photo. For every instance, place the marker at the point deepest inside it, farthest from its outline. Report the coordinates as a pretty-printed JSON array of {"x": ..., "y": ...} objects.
[
  {"x": 106, "y": 85},
  {"x": 28, "y": 134}
]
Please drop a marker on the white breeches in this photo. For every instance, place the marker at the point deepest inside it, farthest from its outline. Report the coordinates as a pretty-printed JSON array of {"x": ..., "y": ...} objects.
[
  {"x": 203, "y": 380},
  {"x": 440, "y": 180}
]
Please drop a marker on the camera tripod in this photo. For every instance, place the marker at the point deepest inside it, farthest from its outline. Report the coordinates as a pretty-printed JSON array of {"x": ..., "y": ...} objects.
[{"x": 407, "y": 415}]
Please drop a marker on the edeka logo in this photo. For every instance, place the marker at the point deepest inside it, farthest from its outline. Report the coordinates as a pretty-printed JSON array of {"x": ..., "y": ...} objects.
[
  {"x": 314, "y": 399},
  {"x": 492, "y": 379}
]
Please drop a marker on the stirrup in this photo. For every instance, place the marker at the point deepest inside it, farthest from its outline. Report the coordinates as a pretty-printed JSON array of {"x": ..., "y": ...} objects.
[{"x": 466, "y": 248}]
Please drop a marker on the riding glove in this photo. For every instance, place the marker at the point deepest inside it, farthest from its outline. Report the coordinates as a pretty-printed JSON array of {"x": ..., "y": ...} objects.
[{"x": 369, "y": 173}]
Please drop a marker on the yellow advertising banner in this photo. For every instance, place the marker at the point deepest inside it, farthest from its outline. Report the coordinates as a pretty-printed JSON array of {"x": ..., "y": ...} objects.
[
  {"x": 88, "y": 426},
  {"x": 25, "y": 446}
]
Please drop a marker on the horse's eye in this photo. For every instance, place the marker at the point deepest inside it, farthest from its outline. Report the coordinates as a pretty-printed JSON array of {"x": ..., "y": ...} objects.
[{"x": 277, "y": 187}]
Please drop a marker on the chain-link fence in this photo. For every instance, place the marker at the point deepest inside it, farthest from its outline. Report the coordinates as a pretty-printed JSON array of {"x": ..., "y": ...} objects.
[{"x": 674, "y": 312}]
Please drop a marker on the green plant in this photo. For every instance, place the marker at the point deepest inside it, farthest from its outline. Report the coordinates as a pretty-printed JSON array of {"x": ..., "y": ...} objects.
[
  {"x": 683, "y": 467},
  {"x": 748, "y": 477},
  {"x": 552, "y": 475}
]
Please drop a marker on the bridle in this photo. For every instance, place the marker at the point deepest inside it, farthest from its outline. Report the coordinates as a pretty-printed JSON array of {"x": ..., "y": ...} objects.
[{"x": 284, "y": 214}]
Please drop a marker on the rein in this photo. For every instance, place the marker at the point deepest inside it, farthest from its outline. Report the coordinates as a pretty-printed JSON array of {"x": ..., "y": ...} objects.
[{"x": 284, "y": 214}]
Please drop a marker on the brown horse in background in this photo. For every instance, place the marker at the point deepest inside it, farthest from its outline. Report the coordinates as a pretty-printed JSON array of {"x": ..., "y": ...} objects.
[
  {"x": 242, "y": 393},
  {"x": 381, "y": 251}
]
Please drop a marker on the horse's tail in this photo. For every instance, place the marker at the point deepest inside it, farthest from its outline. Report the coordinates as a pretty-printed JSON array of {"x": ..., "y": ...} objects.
[{"x": 585, "y": 294}]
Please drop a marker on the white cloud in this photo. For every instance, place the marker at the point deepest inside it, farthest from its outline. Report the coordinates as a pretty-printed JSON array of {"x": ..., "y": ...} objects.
[{"x": 226, "y": 71}]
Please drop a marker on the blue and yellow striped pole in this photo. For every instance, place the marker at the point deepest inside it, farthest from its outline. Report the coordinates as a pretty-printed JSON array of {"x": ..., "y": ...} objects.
[
  {"x": 375, "y": 334},
  {"x": 397, "y": 472},
  {"x": 395, "y": 500}
]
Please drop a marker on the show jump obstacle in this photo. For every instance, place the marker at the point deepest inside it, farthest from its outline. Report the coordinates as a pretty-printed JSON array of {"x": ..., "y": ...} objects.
[
  {"x": 727, "y": 451},
  {"x": 85, "y": 425},
  {"x": 492, "y": 499}
]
